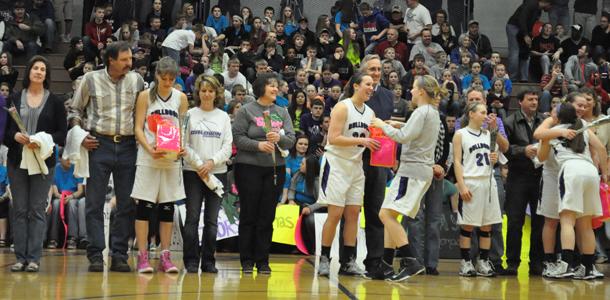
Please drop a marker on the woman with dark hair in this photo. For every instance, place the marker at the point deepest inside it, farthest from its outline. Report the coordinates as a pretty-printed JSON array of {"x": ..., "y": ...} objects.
[
  {"x": 303, "y": 189},
  {"x": 158, "y": 182},
  {"x": 7, "y": 72},
  {"x": 351, "y": 47},
  {"x": 441, "y": 17},
  {"x": 207, "y": 152},
  {"x": 297, "y": 107},
  {"x": 257, "y": 34},
  {"x": 44, "y": 118},
  {"x": 246, "y": 14},
  {"x": 75, "y": 59},
  {"x": 324, "y": 23},
  {"x": 445, "y": 38},
  {"x": 260, "y": 129}
]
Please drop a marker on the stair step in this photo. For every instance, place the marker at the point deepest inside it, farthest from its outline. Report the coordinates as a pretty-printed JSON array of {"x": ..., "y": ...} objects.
[{"x": 55, "y": 59}]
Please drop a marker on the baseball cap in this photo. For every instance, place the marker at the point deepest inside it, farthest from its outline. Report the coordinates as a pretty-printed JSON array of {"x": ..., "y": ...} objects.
[
  {"x": 304, "y": 19},
  {"x": 473, "y": 22},
  {"x": 236, "y": 17},
  {"x": 396, "y": 8}
]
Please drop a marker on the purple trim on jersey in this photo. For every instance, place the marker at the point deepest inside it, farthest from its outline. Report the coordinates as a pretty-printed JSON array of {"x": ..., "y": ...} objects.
[
  {"x": 402, "y": 187},
  {"x": 325, "y": 175}
]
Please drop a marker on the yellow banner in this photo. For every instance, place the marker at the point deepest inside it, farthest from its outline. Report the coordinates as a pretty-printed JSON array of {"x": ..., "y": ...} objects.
[{"x": 285, "y": 222}]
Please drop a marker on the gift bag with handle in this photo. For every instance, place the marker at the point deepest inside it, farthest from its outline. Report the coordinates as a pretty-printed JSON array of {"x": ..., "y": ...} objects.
[
  {"x": 604, "y": 195},
  {"x": 385, "y": 156}
]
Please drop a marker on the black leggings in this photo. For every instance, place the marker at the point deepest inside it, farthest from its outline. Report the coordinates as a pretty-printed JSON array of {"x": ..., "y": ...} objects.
[{"x": 258, "y": 197}]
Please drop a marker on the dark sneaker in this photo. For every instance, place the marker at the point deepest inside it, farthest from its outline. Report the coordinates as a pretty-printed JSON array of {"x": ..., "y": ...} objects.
[
  {"x": 119, "y": 265},
  {"x": 71, "y": 245},
  {"x": 96, "y": 264},
  {"x": 536, "y": 270},
  {"x": 247, "y": 267},
  {"x": 209, "y": 268},
  {"x": 191, "y": 267},
  {"x": 83, "y": 244},
  {"x": 263, "y": 268},
  {"x": 409, "y": 267},
  {"x": 432, "y": 271},
  {"x": 382, "y": 271},
  {"x": 52, "y": 244},
  {"x": 509, "y": 271}
]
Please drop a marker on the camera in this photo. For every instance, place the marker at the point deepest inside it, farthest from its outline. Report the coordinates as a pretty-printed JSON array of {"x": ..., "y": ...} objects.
[{"x": 560, "y": 77}]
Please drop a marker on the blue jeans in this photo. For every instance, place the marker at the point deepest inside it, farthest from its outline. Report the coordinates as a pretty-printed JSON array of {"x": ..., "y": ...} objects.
[
  {"x": 175, "y": 54},
  {"x": 518, "y": 66},
  {"x": 545, "y": 101},
  {"x": 75, "y": 217},
  {"x": 28, "y": 213},
  {"x": 424, "y": 230},
  {"x": 119, "y": 160},
  {"x": 49, "y": 34},
  {"x": 559, "y": 15}
]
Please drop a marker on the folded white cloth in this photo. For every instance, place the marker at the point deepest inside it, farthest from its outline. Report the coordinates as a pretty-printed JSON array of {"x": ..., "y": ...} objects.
[
  {"x": 76, "y": 153},
  {"x": 33, "y": 159},
  {"x": 214, "y": 184}
]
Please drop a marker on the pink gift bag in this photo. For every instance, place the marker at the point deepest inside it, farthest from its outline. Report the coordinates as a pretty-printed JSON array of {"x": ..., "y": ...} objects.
[
  {"x": 386, "y": 155},
  {"x": 604, "y": 195},
  {"x": 168, "y": 139}
]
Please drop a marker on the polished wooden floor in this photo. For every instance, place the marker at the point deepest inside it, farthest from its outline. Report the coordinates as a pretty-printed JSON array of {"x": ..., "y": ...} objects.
[{"x": 63, "y": 275}]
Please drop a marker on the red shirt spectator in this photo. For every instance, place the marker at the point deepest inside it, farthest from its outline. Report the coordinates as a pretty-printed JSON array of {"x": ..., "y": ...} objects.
[
  {"x": 402, "y": 50},
  {"x": 98, "y": 30}
]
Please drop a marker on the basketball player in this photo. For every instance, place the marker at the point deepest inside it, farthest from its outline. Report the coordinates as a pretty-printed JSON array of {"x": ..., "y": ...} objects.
[
  {"x": 342, "y": 181},
  {"x": 158, "y": 183},
  {"x": 478, "y": 205},
  {"x": 418, "y": 136}
]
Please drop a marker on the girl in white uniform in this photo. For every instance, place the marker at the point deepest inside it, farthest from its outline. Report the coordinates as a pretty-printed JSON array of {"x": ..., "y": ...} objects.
[
  {"x": 342, "y": 180},
  {"x": 548, "y": 205},
  {"x": 158, "y": 181},
  {"x": 418, "y": 138},
  {"x": 579, "y": 194},
  {"x": 478, "y": 205}
]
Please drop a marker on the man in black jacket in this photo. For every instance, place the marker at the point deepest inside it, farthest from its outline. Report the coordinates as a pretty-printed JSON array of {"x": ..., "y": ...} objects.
[
  {"x": 479, "y": 41},
  {"x": 522, "y": 184},
  {"x": 519, "y": 40}
]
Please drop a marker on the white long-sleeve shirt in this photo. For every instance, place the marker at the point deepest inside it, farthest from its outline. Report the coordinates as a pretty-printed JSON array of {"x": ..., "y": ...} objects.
[{"x": 209, "y": 137}]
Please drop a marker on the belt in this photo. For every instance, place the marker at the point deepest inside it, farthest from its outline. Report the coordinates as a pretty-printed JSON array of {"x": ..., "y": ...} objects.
[{"x": 116, "y": 138}]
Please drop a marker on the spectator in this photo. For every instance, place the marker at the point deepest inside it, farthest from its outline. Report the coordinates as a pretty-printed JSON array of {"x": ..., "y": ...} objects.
[
  {"x": 295, "y": 6},
  {"x": 391, "y": 80},
  {"x": 401, "y": 110},
  {"x": 324, "y": 23},
  {"x": 519, "y": 39},
  {"x": 75, "y": 59},
  {"x": 397, "y": 22},
  {"x": 188, "y": 10},
  {"x": 235, "y": 34},
  {"x": 373, "y": 25},
  {"x": 441, "y": 65},
  {"x": 419, "y": 69},
  {"x": 22, "y": 31},
  {"x": 293, "y": 161},
  {"x": 553, "y": 85},
  {"x": 281, "y": 99},
  {"x": 5, "y": 199},
  {"x": 490, "y": 64},
  {"x": 303, "y": 189},
  {"x": 44, "y": 117},
  {"x": 157, "y": 36},
  {"x": 289, "y": 21},
  {"x": 475, "y": 71},
  {"x": 426, "y": 47},
  {"x": 246, "y": 15},
  {"x": 441, "y": 17},
  {"x": 158, "y": 12},
  {"x": 417, "y": 17},
  {"x": 500, "y": 72},
  {"x": 401, "y": 51},
  {"x": 232, "y": 76},
  {"x": 450, "y": 105},
  {"x": 182, "y": 39},
  {"x": 341, "y": 66},
  {"x": 560, "y": 32},
  {"x": 268, "y": 21},
  {"x": 311, "y": 124},
  {"x": 273, "y": 61},
  {"x": 579, "y": 69},
  {"x": 71, "y": 190},
  {"x": 522, "y": 184},
  {"x": 326, "y": 81},
  {"x": 571, "y": 46},
  {"x": 312, "y": 64},
  {"x": 346, "y": 18},
  {"x": 445, "y": 38},
  {"x": 297, "y": 107},
  {"x": 127, "y": 35},
  {"x": 585, "y": 13},
  {"x": 544, "y": 47},
  {"x": 479, "y": 42},
  {"x": 559, "y": 14},
  {"x": 179, "y": 25},
  {"x": 257, "y": 34},
  {"x": 332, "y": 99},
  {"x": 259, "y": 179},
  {"x": 601, "y": 33},
  {"x": 208, "y": 150},
  {"x": 298, "y": 44},
  {"x": 310, "y": 37},
  {"x": 280, "y": 34},
  {"x": 326, "y": 48},
  {"x": 216, "y": 20},
  {"x": 43, "y": 9},
  {"x": 299, "y": 83},
  {"x": 271, "y": 37},
  {"x": 465, "y": 47},
  {"x": 498, "y": 100},
  {"x": 8, "y": 73},
  {"x": 63, "y": 13},
  {"x": 97, "y": 33}
]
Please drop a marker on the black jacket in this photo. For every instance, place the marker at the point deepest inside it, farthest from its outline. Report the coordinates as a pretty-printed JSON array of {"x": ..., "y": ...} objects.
[
  {"x": 519, "y": 136},
  {"x": 52, "y": 120}
]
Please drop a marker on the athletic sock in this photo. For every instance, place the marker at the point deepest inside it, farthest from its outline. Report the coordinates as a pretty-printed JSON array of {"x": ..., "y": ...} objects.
[
  {"x": 326, "y": 252},
  {"x": 405, "y": 251},
  {"x": 349, "y": 252},
  {"x": 388, "y": 255},
  {"x": 588, "y": 260},
  {"x": 483, "y": 254},
  {"x": 567, "y": 255},
  {"x": 550, "y": 257},
  {"x": 465, "y": 252}
]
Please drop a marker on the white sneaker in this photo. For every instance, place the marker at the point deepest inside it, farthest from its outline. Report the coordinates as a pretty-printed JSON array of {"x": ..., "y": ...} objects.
[
  {"x": 580, "y": 273},
  {"x": 324, "y": 266},
  {"x": 562, "y": 270},
  {"x": 548, "y": 268},
  {"x": 467, "y": 269},
  {"x": 596, "y": 273},
  {"x": 484, "y": 268}
]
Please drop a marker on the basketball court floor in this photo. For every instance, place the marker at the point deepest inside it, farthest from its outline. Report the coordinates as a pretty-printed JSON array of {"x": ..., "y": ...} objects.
[{"x": 63, "y": 275}]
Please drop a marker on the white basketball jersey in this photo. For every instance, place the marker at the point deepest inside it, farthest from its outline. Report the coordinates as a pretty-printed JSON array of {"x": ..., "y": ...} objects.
[
  {"x": 551, "y": 166},
  {"x": 475, "y": 153},
  {"x": 563, "y": 151},
  {"x": 168, "y": 110},
  {"x": 356, "y": 125}
]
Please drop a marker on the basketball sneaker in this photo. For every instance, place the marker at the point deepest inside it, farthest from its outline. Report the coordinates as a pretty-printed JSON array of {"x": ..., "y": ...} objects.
[
  {"x": 351, "y": 268},
  {"x": 547, "y": 268},
  {"x": 562, "y": 270},
  {"x": 324, "y": 266},
  {"x": 581, "y": 273},
  {"x": 484, "y": 268},
  {"x": 467, "y": 269},
  {"x": 165, "y": 263},
  {"x": 143, "y": 264},
  {"x": 598, "y": 274},
  {"x": 409, "y": 267},
  {"x": 381, "y": 271}
]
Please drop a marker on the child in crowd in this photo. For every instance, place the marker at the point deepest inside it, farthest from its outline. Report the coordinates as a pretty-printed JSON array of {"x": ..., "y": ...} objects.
[
  {"x": 500, "y": 72},
  {"x": 299, "y": 83},
  {"x": 333, "y": 98},
  {"x": 401, "y": 106},
  {"x": 312, "y": 94},
  {"x": 293, "y": 161},
  {"x": 326, "y": 82},
  {"x": 312, "y": 64},
  {"x": 389, "y": 55},
  {"x": 342, "y": 68},
  {"x": 303, "y": 189},
  {"x": 475, "y": 71},
  {"x": 497, "y": 99},
  {"x": 291, "y": 64},
  {"x": 281, "y": 99},
  {"x": 297, "y": 107}
]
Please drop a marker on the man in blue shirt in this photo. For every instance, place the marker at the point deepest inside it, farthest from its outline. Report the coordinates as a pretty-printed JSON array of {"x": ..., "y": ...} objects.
[{"x": 64, "y": 181}]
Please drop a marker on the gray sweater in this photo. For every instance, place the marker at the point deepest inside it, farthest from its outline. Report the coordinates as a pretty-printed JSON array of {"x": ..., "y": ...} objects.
[
  {"x": 419, "y": 138},
  {"x": 248, "y": 132}
]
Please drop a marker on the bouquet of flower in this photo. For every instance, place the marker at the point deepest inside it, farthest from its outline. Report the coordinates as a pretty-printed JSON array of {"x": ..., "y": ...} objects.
[{"x": 12, "y": 111}]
